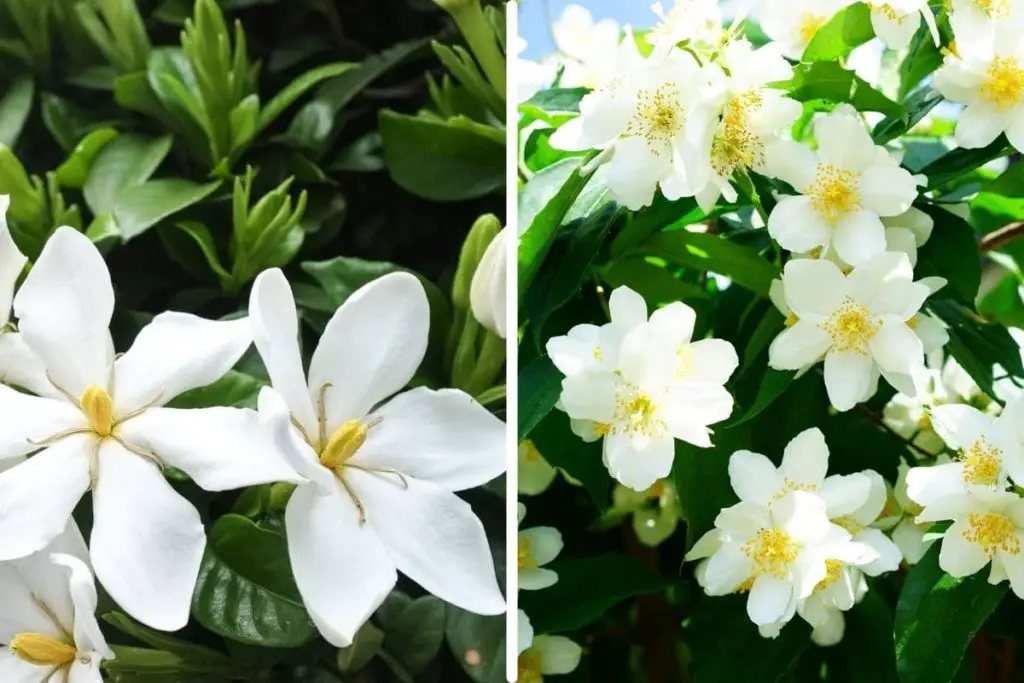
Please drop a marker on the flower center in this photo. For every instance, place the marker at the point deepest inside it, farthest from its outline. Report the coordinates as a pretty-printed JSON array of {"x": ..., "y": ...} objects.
[
  {"x": 997, "y": 9},
  {"x": 993, "y": 532},
  {"x": 41, "y": 650},
  {"x": 788, "y": 486},
  {"x": 99, "y": 410},
  {"x": 736, "y": 146},
  {"x": 851, "y": 327},
  {"x": 1004, "y": 83},
  {"x": 887, "y": 10},
  {"x": 636, "y": 413},
  {"x": 832, "y": 571},
  {"x": 530, "y": 668},
  {"x": 835, "y": 192},
  {"x": 772, "y": 550},
  {"x": 526, "y": 559},
  {"x": 809, "y": 25},
  {"x": 532, "y": 454},
  {"x": 849, "y": 523},
  {"x": 343, "y": 444},
  {"x": 658, "y": 118},
  {"x": 982, "y": 463},
  {"x": 792, "y": 319}
]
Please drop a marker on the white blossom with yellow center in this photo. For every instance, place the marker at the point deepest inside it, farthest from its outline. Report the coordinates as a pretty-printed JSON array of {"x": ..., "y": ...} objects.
[
  {"x": 548, "y": 656},
  {"x": 695, "y": 23},
  {"x": 100, "y": 424},
  {"x": 896, "y": 21},
  {"x": 992, "y": 88},
  {"x": 794, "y": 23},
  {"x": 48, "y": 629},
  {"x": 988, "y": 451},
  {"x": 846, "y": 186},
  {"x": 976, "y": 23},
  {"x": 382, "y": 472},
  {"x": 587, "y": 47},
  {"x": 537, "y": 546},
  {"x": 857, "y": 323}
]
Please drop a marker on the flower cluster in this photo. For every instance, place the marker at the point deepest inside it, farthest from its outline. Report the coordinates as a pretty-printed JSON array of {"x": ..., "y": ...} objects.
[
  {"x": 799, "y": 542},
  {"x": 642, "y": 383},
  {"x": 373, "y": 478}
]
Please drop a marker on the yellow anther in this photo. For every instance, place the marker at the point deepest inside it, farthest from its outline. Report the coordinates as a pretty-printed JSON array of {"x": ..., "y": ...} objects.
[
  {"x": 835, "y": 192},
  {"x": 773, "y": 551},
  {"x": 792, "y": 319},
  {"x": 1004, "y": 84},
  {"x": 636, "y": 413},
  {"x": 658, "y": 118},
  {"x": 788, "y": 486},
  {"x": 982, "y": 463},
  {"x": 809, "y": 25},
  {"x": 99, "y": 409},
  {"x": 993, "y": 533},
  {"x": 832, "y": 573},
  {"x": 40, "y": 650},
  {"x": 530, "y": 668},
  {"x": 526, "y": 559},
  {"x": 736, "y": 145},
  {"x": 851, "y": 327},
  {"x": 343, "y": 444}
]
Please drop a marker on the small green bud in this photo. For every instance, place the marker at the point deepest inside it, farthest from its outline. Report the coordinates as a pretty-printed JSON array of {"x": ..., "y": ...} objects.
[{"x": 483, "y": 232}]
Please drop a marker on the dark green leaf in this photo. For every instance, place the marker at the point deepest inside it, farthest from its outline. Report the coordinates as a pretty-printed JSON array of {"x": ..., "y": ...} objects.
[
  {"x": 196, "y": 656},
  {"x": 832, "y": 83},
  {"x": 140, "y": 207},
  {"x": 866, "y": 652},
  {"x": 961, "y": 161},
  {"x": 651, "y": 280},
  {"x": 14, "y": 110},
  {"x": 299, "y": 87},
  {"x": 715, "y": 253},
  {"x": 951, "y": 252},
  {"x": 701, "y": 478},
  {"x": 75, "y": 170},
  {"x": 477, "y": 643},
  {"x": 126, "y": 162},
  {"x": 581, "y": 460},
  {"x": 414, "y": 629},
  {"x": 979, "y": 346},
  {"x": 540, "y": 384},
  {"x": 233, "y": 389},
  {"x": 773, "y": 385},
  {"x": 918, "y": 106}
]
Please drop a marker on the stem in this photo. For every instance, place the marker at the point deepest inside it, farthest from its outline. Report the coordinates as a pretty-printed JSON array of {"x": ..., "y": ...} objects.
[
  {"x": 746, "y": 184},
  {"x": 600, "y": 297},
  {"x": 1002, "y": 237},
  {"x": 396, "y": 668},
  {"x": 492, "y": 395},
  {"x": 488, "y": 364},
  {"x": 877, "y": 419},
  {"x": 479, "y": 35}
]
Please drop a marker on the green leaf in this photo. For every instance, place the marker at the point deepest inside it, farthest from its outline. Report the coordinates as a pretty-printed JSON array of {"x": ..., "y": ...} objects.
[
  {"x": 26, "y": 203},
  {"x": 832, "y": 83},
  {"x": 846, "y": 30},
  {"x": 651, "y": 280},
  {"x": 716, "y": 253},
  {"x": 587, "y": 587},
  {"x": 342, "y": 276},
  {"x": 918, "y": 106},
  {"x": 235, "y": 389},
  {"x": 951, "y": 252},
  {"x": 930, "y": 597},
  {"x": 246, "y": 591},
  {"x": 14, "y": 110},
  {"x": 197, "y": 656},
  {"x": 540, "y": 384},
  {"x": 339, "y": 91},
  {"x": 451, "y": 160},
  {"x": 979, "y": 346},
  {"x": 125, "y": 162},
  {"x": 865, "y": 654},
  {"x": 554, "y": 105},
  {"x": 140, "y": 207},
  {"x": 364, "y": 648},
  {"x": 701, "y": 478},
  {"x": 414, "y": 629},
  {"x": 184, "y": 239},
  {"x": 773, "y": 385},
  {"x": 922, "y": 59},
  {"x": 75, "y": 169},
  {"x": 477, "y": 643},
  {"x": 299, "y": 87},
  {"x": 579, "y": 459},
  {"x": 104, "y": 232},
  {"x": 960, "y": 161}
]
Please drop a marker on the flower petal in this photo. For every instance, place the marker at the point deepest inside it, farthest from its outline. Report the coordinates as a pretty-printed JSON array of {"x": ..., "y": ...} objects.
[
  {"x": 847, "y": 378},
  {"x": 536, "y": 579},
  {"x": 628, "y": 309},
  {"x": 433, "y": 537},
  {"x": 889, "y": 555},
  {"x": 13, "y": 669},
  {"x": 29, "y": 420},
  {"x": 636, "y": 468},
  {"x": 858, "y": 237},
  {"x": 676, "y": 320},
  {"x": 714, "y": 361},
  {"x": 844, "y": 142},
  {"x": 558, "y": 654},
  {"x": 174, "y": 353},
  {"x": 371, "y": 348},
  {"x": 147, "y": 540},
  {"x": 813, "y": 287},
  {"x": 792, "y": 162},
  {"x": 980, "y": 123},
  {"x": 82, "y": 589},
  {"x": 844, "y": 494},
  {"x": 768, "y": 600},
  {"x": 801, "y": 345},
  {"x": 38, "y": 496},
  {"x": 887, "y": 190},
  {"x": 754, "y": 477},
  {"x": 441, "y": 436},
  {"x": 19, "y": 367},
  {"x": 797, "y": 226},
  {"x": 277, "y": 422},
  {"x": 869, "y": 279},
  {"x": 342, "y": 569},
  {"x": 805, "y": 459},
  {"x": 895, "y": 347},
  {"x": 545, "y": 543},
  {"x": 275, "y": 330},
  {"x": 960, "y": 425},
  {"x": 64, "y": 309},
  {"x": 958, "y": 556},
  {"x": 12, "y": 262},
  {"x": 85, "y": 669}
]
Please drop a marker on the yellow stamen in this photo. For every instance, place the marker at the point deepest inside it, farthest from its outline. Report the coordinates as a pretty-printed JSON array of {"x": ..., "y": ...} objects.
[
  {"x": 792, "y": 319},
  {"x": 658, "y": 118},
  {"x": 832, "y": 572},
  {"x": 343, "y": 444},
  {"x": 530, "y": 670},
  {"x": 851, "y": 327},
  {"x": 40, "y": 650},
  {"x": 809, "y": 25},
  {"x": 788, "y": 486},
  {"x": 736, "y": 146},
  {"x": 772, "y": 550},
  {"x": 636, "y": 413},
  {"x": 526, "y": 559},
  {"x": 982, "y": 463},
  {"x": 835, "y": 192},
  {"x": 1004, "y": 84},
  {"x": 993, "y": 532},
  {"x": 996, "y": 9},
  {"x": 99, "y": 409}
]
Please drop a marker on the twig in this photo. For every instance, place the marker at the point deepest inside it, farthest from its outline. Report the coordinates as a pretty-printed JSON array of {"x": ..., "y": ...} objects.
[
  {"x": 600, "y": 296},
  {"x": 877, "y": 419},
  {"x": 997, "y": 239}
]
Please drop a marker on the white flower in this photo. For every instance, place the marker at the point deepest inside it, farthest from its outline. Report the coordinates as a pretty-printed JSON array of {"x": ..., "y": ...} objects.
[
  {"x": 747, "y": 120},
  {"x": 896, "y": 21},
  {"x": 975, "y": 23},
  {"x": 548, "y": 656},
  {"x": 592, "y": 348},
  {"x": 908, "y": 232},
  {"x": 524, "y": 631},
  {"x": 639, "y": 120},
  {"x": 793, "y": 23},
  {"x": 531, "y": 77},
  {"x": 858, "y": 323},
  {"x": 663, "y": 387},
  {"x": 49, "y": 616},
  {"x": 12, "y": 261},
  {"x": 990, "y": 453},
  {"x": 100, "y": 426},
  {"x": 487, "y": 289},
  {"x": 381, "y": 473},
  {"x": 535, "y": 473},
  {"x": 846, "y": 186},
  {"x": 988, "y": 528},
  {"x": 697, "y": 23},
  {"x": 537, "y": 546},
  {"x": 992, "y": 87},
  {"x": 779, "y": 553},
  {"x": 588, "y": 46},
  {"x": 908, "y": 535}
]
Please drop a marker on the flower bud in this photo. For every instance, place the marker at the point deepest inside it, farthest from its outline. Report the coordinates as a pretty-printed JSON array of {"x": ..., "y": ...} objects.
[
  {"x": 488, "y": 289},
  {"x": 480, "y": 236}
]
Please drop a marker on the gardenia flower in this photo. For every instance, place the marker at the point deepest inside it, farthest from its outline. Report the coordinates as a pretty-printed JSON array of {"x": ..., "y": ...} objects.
[
  {"x": 381, "y": 473},
  {"x": 794, "y": 23},
  {"x": 858, "y": 323},
  {"x": 48, "y": 626},
  {"x": 663, "y": 387},
  {"x": 537, "y": 546},
  {"x": 896, "y": 21},
  {"x": 748, "y": 118},
  {"x": 992, "y": 88},
  {"x": 101, "y": 426},
  {"x": 487, "y": 289},
  {"x": 548, "y": 656},
  {"x": 639, "y": 121},
  {"x": 990, "y": 453},
  {"x": 845, "y": 187}
]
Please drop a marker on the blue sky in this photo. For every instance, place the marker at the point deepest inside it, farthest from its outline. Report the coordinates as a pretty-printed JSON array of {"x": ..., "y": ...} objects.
[{"x": 534, "y": 18}]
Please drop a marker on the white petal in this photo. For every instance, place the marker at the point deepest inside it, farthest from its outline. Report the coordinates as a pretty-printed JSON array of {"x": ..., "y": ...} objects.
[
  {"x": 958, "y": 556},
  {"x": 754, "y": 477},
  {"x": 12, "y": 261},
  {"x": 676, "y": 320},
  {"x": 371, "y": 348},
  {"x": 844, "y": 142},
  {"x": 768, "y": 600},
  {"x": 805, "y": 459},
  {"x": 487, "y": 293},
  {"x": 726, "y": 570},
  {"x": 13, "y": 669},
  {"x": 441, "y": 436},
  {"x": 524, "y": 631},
  {"x": 38, "y": 496},
  {"x": 536, "y": 579},
  {"x": 85, "y": 669},
  {"x": 434, "y": 538},
  {"x": 887, "y": 190},
  {"x": 147, "y": 540},
  {"x": 628, "y": 308},
  {"x": 19, "y": 367},
  {"x": 714, "y": 361},
  {"x": 277, "y": 423},
  {"x": 696, "y": 404},
  {"x": 858, "y": 237},
  {"x": 1015, "y": 131},
  {"x": 797, "y": 226},
  {"x": 174, "y": 353},
  {"x": 960, "y": 425},
  {"x": 931, "y": 332},
  {"x": 636, "y": 468},
  {"x": 1013, "y": 566},
  {"x": 902, "y": 240},
  {"x": 590, "y": 397},
  {"x": 845, "y": 494},
  {"x": 896, "y": 33},
  {"x": 980, "y": 123},
  {"x": 64, "y": 309},
  {"x": 792, "y": 162},
  {"x": 814, "y": 287},
  {"x": 18, "y": 585},
  {"x": 889, "y": 555},
  {"x": 29, "y": 420},
  {"x": 831, "y": 631},
  {"x": 545, "y": 543},
  {"x": 802, "y": 515},
  {"x": 798, "y": 346},
  {"x": 870, "y": 279},
  {"x": 82, "y": 589},
  {"x": 341, "y": 567},
  {"x": 847, "y": 378},
  {"x": 558, "y": 654},
  {"x": 895, "y": 347},
  {"x": 221, "y": 449},
  {"x": 275, "y": 330}
]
